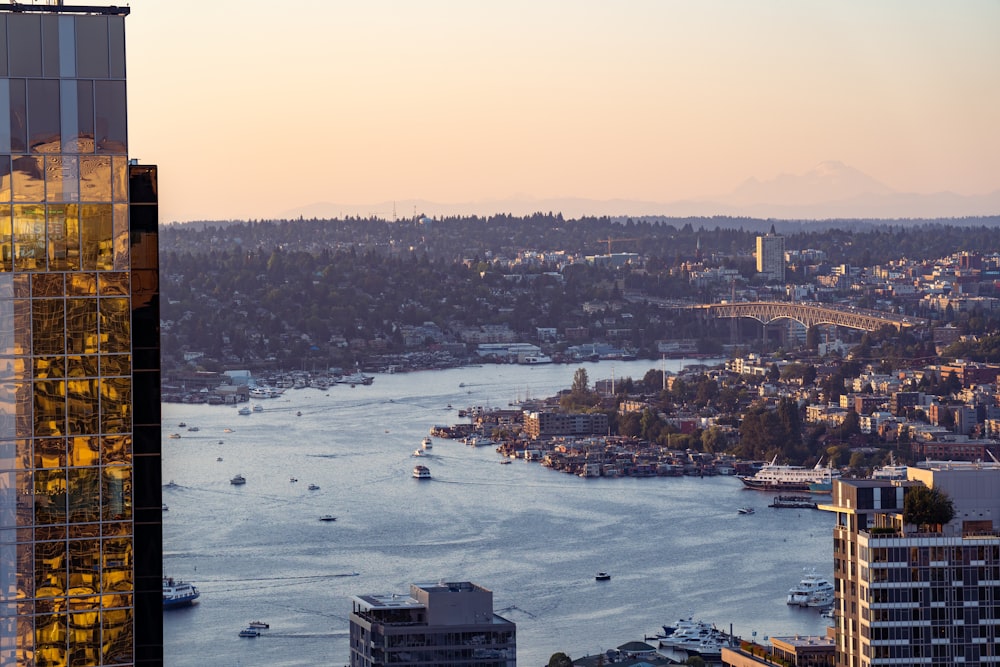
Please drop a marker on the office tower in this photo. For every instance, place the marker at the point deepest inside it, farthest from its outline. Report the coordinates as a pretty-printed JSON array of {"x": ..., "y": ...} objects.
[
  {"x": 436, "y": 624},
  {"x": 80, "y": 524},
  {"x": 918, "y": 594},
  {"x": 771, "y": 256}
]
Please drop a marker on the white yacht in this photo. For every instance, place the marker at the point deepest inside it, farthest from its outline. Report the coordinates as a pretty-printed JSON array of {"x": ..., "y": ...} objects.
[
  {"x": 813, "y": 591},
  {"x": 773, "y": 477},
  {"x": 421, "y": 472}
]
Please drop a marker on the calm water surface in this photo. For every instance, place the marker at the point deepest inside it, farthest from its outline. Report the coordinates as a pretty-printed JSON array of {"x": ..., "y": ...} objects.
[{"x": 675, "y": 547}]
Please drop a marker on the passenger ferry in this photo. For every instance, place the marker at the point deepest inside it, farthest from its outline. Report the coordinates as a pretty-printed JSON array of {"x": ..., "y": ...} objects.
[
  {"x": 773, "y": 477},
  {"x": 178, "y": 593}
]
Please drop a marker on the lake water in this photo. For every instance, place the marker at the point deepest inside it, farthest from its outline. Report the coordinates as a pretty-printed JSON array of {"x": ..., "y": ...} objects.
[{"x": 676, "y": 547}]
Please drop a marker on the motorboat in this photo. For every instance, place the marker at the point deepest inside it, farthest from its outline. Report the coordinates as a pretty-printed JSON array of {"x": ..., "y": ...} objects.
[
  {"x": 696, "y": 637},
  {"x": 813, "y": 591},
  {"x": 238, "y": 479},
  {"x": 177, "y": 593},
  {"x": 245, "y": 410},
  {"x": 174, "y": 436},
  {"x": 505, "y": 462},
  {"x": 194, "y": 429},
  {"x": 426, "y": 443},
  {"x": 293, "y": 479},
  {"x": 421, "y": 472},
  {"x": 602, "y": 576},
  {"x": 328, "y": 517},
  {"x": 417, "y": 452},
  {"x": 165, "y": 508},
  {"x": 258, "y": 625},
  {"x": 182, "y": 425},
  {"x": 171, "y": 484},
  {"x": 298, "y": 414},
  {"x": 227, "y": 430},
  {"x": 773, "y": 477},
  {"x": 314, "y": 487},
  {"x": 249, "y": 632},
  {"x": 258, "y": 408},
  {"x": 745, "y": 510},
  {"x": 218, "y": 458}
]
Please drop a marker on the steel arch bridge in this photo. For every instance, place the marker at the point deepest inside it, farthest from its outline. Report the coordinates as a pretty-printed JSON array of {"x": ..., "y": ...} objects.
[{"x": 812, "y": 314}]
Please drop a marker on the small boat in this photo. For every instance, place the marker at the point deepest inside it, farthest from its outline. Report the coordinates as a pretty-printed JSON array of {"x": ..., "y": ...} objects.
[
  {"x": 417, "y": 452},
  {"x": 221, "y": 442},
  {"x": 182, "y": 425},
  {"x": 177, "y": 593},
  {"x": 426, "y": 443},
  {"x": 238, "y": 479},
  {"x": 165, "y": 508},
  {"x": 244, "y": 410},
  {"x": 218, "y": 458},
  {"x": 602, "y": 576},
  {"x": 293, "y": 479},
  {"x": 298, "y": 414},
  {"x": 314, "y": 487},
  {"x": 328, "y": 517},
  {"x": 174, "y": 436},
  {"x": 194, "y": 429},
  {"x": 258, "y": 625},
  {"x": 745, "y": 510},
  {"x": 227, "y": 430},
  {"x": 421, "y": 472},
  {"x": 249, "y": 632},
  {"x": 171, "y": 484},
  {"x": 505, "y": 462},
  {"x": 258, "y": 408}
]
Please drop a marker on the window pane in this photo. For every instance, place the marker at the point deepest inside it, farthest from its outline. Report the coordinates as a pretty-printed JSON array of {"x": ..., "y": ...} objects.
[
  {"x": 95, "y": 179},
  {"x": 109, "y": 112},
  {"x": 24, "y": 34},
  {"x": 91, "y": 47},
  {"x": 29, "y": 237},
  {"x": 43, "y": 116},
  {"x": 28, "y": 179}
]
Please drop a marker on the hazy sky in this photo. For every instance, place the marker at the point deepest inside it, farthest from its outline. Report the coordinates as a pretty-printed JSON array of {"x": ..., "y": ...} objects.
[{"x": 253, "y": 108}]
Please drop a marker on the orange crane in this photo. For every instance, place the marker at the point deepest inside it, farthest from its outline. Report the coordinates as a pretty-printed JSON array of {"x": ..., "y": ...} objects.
[{"x": 610, "y": 240}]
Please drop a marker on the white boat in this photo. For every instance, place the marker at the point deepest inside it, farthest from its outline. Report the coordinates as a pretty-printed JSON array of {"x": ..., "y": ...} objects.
[
  {"x": 602, "y": 576},
  {"x": 693, "y": 636},
  {"x": 426, "y": 443},
  {"x": 772, "y": 477},
  {"x": 536, "y": 359},
  {"x": 245, "y": 410},
  {"x": 238, "y": 479},
  {"x": 177, "y": 593},
  {"x": 813, "y": 591},
  {"x": 421, "y": 472},
  {"x": 249, "y": 632},
  {"x": 165, "y": 508},
  {"x": 417, "y": 452},
  {"x": 258, "y": 408},
  {"x": 258, "y": 625},
  {"x": 174, "y": 436},
  {"x": 745, "y": 510}
]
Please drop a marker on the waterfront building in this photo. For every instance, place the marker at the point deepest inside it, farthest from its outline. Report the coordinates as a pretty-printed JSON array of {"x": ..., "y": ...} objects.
[
  {"x": 543, "y": 424},
  {"x": 771, "y": 256},
  {"x": 918, "y": 595},
  {"x": 447, "y": 623},
  {"x": 80, "y": 507},
  {"x": 800, "y": 651}
]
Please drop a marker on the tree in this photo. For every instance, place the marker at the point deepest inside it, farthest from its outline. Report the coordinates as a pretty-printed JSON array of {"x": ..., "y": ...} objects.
[
  {"x": 560, "y": 659},
  {"x": 923, "y": 506},
  {"x": 581, "y": 383}
]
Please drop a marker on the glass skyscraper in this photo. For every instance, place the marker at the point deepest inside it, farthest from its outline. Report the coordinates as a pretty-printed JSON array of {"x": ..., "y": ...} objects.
[{"x": 80, "y": 507}]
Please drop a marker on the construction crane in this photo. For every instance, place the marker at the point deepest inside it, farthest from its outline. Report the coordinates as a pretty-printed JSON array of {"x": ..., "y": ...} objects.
[{"x": 610, "y": 240}]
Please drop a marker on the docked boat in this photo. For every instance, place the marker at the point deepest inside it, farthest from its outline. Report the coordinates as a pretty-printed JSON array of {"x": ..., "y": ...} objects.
[
  {"x": 244, "y": 410},
  {"x": 426, "y": 443},
  {"x": 813, "y": 591},
  {"x": 695, "y": 637},
  {"x": 249, "y": 632},
  {"x": 745, "y": 510},
  {"x": 237, "y": 480},
  {"x": 328, "y": 517},
  {"x": 258, "y": 625},
  {"x": 177, "y": 593},
  {"x": 537, "y": 359},
  {"x": 421, "y": 472},
  {"x": 793, "y": 502},
  {"x": 314, "y": 487},
  {"x": 772, "y": 477},
  {"x": 602, "y": 576}
]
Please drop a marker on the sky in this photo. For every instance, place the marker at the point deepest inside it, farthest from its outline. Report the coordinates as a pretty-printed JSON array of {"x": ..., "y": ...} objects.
[{"x": 254, "y": 109}]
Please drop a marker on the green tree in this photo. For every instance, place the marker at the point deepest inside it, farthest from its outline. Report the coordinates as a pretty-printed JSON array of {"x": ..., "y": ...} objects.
[
  {"x": 560, "y": 660},
  {"x": 581, "y": 383},
  {"x": 924, "y": 506}
]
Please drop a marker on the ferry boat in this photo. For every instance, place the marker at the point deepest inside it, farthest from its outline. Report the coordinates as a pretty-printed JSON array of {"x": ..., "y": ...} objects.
[
  {"x": 421, "y": 472},
  {"x": 774, "y": 477},
  {"x": 813, "y": 591},
  {"x": 249, "y": 632},
  {"x": 177, "y": 593}
]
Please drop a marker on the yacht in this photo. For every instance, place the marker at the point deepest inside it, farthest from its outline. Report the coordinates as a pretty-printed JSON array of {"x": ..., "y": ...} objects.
[
  {"x": 177, "y": 593},
  {"x": 426, "y": 443},
  {"x": 174, "y": 436},
  {"x": 238, "y": 479},
  {"x": 813, "y": 591},
  {"x": 421, "y": 472},
  {"x": 695, "y": 637},
  {"x": 745, "y": 510},
  {"x": 772, "y": 477}
]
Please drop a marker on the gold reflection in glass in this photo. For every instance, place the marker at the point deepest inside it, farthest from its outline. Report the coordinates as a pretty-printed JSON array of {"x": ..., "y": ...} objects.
[
  {"x": 116, "y": 529},
  {"x": 84, "y": 564},
  {"x": 25, "y": 639},
  {"x": 28, "y": 178},
  {"x": 49, "y": 367},
  {"x": 118, "y": 627},
  {"x": 121, "y": 239},
  {"x": 84, "y": 451},
  {"x": 117, "y": 493},
  {"x": 50, "y": 640},
  {"x": 81, "y": 283},
  {"x": 82, "y": 409},
  {"x": 116, "y": 364},
  {"x": 61, "y": 174},
  {"x": 25, "y": 568},
  {"x": 79, "y": 531},
  {"x": 96, "y": 226},
  {"x": 48, "y": 327},
  {"x": 116, "y": 554},
  {"x": 47, "y": 284},
  {"x": 82, "y": 366},
  {"x": 24, "y": 460},
  {"x": 50, "y": 498},
  {"x": 23, "y": 425},
  {"x": 84, "y": 634},
  {"x": 50, "y": 453},
  {"x": 116, "y": 405},
  {"x": 29, "y": 237},
  {"x": 114, "y": 283},
  {"x": 119, "y": 178},
  {"x": 116, "y": 449},
  {"x": 50, "y": 407},
  {"x": 84, "y": 495},
  {"x": 6, "y": 239},
  {"x": 72, "y": 212},
  {"x": 95, "y": 179},
  {"x": 57, "y": 240},
  {"x": 115, "y": 329},
  {"x": 81, "y": 326}
]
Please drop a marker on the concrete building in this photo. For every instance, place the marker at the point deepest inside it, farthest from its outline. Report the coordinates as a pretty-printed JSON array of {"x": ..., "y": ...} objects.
[
  {"x": 547, "y": 424},
  {"x": 771, "y": 256},
  {"x": 436, "y": 624},
  {"x": 80, "y": 506},
  {"x": 918, "y": 595},
  {"x": 797, "y": 651}
]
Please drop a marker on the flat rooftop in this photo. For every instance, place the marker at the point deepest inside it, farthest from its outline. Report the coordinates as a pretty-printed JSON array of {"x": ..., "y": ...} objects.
[
  {"x": 386, "y": 601},
  {"x": 106, "y": 10}
]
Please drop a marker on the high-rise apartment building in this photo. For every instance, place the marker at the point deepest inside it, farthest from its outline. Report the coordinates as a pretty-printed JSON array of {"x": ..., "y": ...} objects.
[
  {"x": 918, "y": 595},
  {"x": 771, "y": 256},
  {"x": 447, "y": 623},
  {"x": 80, "y": 509}
]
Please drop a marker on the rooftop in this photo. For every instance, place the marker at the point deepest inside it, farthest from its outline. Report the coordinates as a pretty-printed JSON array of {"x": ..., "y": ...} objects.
[{"x": 59, "y": 8}]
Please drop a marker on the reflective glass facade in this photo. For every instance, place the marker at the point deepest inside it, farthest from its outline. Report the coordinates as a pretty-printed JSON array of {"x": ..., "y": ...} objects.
[{"x": 80, "y": 538}]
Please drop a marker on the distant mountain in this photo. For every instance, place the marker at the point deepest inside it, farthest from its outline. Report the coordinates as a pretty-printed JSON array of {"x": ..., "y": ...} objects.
[{"x": 830, "y": 190}]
